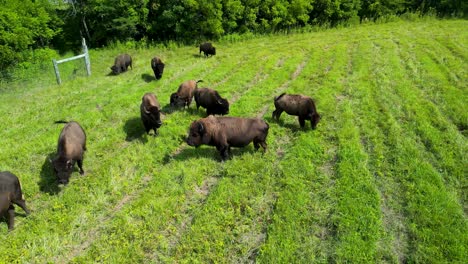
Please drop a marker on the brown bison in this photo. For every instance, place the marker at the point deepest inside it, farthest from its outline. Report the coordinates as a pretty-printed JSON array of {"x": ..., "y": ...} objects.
[
  {"x": 208, "y": 49},
  {"x": 227, "y": 132},
  {"x": 70, "y": 149},
  {"x": 298, "y": 105},
  {"x": 121, "y": 63},
  {"x": 150, "y": 112},
  {"x": 183, "y": 96},
  {"x": 158, "y": 67},
  {"x": 10, "y": 193},
  {"x": 212, "y": 101}
]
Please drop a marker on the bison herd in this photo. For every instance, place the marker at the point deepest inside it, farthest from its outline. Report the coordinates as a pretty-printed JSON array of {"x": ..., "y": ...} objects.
[{"x": 218, "y": 131}]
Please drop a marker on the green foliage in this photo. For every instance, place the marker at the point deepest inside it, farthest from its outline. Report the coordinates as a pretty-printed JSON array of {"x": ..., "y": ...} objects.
[
  {"x": 381, "y": 180},
  {"x": 24, "y": 25}
]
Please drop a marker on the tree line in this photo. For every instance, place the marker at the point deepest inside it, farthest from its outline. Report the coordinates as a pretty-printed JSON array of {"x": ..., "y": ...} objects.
[{"x": 27, "y": 25}]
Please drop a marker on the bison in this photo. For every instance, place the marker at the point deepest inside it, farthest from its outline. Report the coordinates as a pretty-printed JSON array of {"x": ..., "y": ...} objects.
[
  {"x": 298, "y": 105},
  {"x": 212, "y": 101},
  {"x": 10, "y": 193},
  {"x": 158, "y": 67},
  {"x": 70, "y": 149},
  {"x": 150, "y": 112},
  {"x": 183, "y": 96},
  {"x": 227, "y": 132},
  {"x": 121, "y": 63},
  {"x": 208, "y": 49}
]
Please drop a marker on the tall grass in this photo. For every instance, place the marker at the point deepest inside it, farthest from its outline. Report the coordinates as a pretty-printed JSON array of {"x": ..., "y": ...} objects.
[{"x": 381, "y": 179}]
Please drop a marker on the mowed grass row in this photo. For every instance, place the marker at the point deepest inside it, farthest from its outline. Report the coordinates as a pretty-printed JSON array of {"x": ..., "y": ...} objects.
[
  {"x": 373, "y": 183},
  {"x": 105, "y": 154},
  {"x": 171, "y": 227}
]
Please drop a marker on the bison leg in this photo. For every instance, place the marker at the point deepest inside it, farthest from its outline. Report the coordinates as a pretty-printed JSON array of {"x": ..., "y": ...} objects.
[
  {"x": 80, "y": 165},
  {"x": 22, "y": 204},
  {"x": 276, "y": 114},
  {"x": 224, "y": 152},
  {"x": 302, "y": 121},
  {"x": 258, "y": 143},
  {"x": 264, "y": 145},
  {"x": 11, "y": 217}
]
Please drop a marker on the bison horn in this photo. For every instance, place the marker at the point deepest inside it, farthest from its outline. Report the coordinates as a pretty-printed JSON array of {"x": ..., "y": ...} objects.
[
  {"x": 220, "y": 102},
  {"x": 146, "y": 110}
]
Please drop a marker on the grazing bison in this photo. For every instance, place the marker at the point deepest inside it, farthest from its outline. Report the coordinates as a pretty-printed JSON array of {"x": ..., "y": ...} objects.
[
  {"x": 208, "y": 49},
  {"x": 70, "y": 149},
  {"x": 212, "y": 101},
  {"x": 150, "y": 112},
  {"x": 121, "y": 63},
  {"x": 10, "y": 193},
  {"x": 298, "y": 105},
  {"x": 227, "y": 132},
  {"x": 183, "y": 96},
  {"x": 158, "y": 67}
]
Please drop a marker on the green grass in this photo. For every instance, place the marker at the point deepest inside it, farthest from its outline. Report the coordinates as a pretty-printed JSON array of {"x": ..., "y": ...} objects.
[{"x": 383, "y": 178}]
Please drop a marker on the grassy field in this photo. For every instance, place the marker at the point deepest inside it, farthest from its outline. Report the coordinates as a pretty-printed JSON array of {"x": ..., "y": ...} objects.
[{"x": 383, "y": 178}]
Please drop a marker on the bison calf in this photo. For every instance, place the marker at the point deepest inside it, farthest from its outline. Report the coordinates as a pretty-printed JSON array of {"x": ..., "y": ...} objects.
[
  {"x": 150, "y": 112},
  {"x": 183, "y": 96},
  {"x": 121, "y": 63},
  {"x": 208, "y": 49},
  {"x": 158, "y": 67},
  {"x": 212, "y": 101},
  {"x": 298, "y": 105},
  {"x": 227, "y": 132},
  {"x": 70, "y": 149},
  {"x": 10, "y": 193}
]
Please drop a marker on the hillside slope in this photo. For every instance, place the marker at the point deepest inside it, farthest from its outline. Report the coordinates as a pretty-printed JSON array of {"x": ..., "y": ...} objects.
[{"x": 383, "y": 178}]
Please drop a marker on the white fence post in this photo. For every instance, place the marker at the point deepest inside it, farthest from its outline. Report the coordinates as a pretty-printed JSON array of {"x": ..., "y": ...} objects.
[
  {"x": 85, "y": 55},
  {"x": 57, "y": 73},
  {"x": 87, "y": 60}
]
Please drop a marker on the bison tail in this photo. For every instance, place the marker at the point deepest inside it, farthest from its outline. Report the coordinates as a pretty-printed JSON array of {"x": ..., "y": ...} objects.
[
  {"x": 278, "y": 97},
  {"x": 61, "y": 122}
]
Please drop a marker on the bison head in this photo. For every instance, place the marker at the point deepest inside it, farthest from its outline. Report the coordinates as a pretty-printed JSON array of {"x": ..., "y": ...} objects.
[
  {"x": 314, "y": 120},
  {"x": 196, "y": 132},
  {"x": 213, "y": 51},
  {"x": 63, "y": 169},
  {"x": 176, "y": 100},
  {"x": 221, "y": 107},
  {"x": 158, "y": 69},
  {"x": 115, "y": 69}
]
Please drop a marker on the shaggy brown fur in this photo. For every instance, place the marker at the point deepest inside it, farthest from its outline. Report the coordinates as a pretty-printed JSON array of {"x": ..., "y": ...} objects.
[
  {"x": 150, "y": 115},
  {"x": 208, "y": 49},
  {"x": 227, "y": 132},
  {"x": 121, "y": 63},
  {"x": 70, "y": 149},
  {"x": 158, "y": 67},
  {"x": 183, "y": 96},
  {"x": 298, "y": 105},
  {"x": 212, "y": 101},
  {"x": 10, "y": 193},
  {"x": 6, "y": 209}
]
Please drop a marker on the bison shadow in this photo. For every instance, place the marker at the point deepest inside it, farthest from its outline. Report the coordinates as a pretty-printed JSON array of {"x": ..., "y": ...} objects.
[
  {"x": 147, "y": 77},
  {"x": 208, "y": 152},
  {"x": 169, "y": 109},
  {"x": 294, "y": 127},
  {"x": 193, "y": 153},
  {"x": 48, "y": 182},
  {"x": 134, "y": 129}
]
